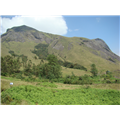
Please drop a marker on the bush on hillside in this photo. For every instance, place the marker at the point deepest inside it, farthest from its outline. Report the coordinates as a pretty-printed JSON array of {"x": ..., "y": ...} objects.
[
  {"x": 71, "y": 65},
  {"x": 67, "y": 81},
  {"x": 84, "y": 77},
  {"x": 77, "y": 66},
  {"x": 117, "y": 81},
  {"x": 94, "y": 70},
  {"x": 41, "y": 50},
  {"x": 107, "y": 76}
]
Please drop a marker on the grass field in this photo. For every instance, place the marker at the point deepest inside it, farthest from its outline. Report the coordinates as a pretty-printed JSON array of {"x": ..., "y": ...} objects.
[{"x": 46, "y": 93}]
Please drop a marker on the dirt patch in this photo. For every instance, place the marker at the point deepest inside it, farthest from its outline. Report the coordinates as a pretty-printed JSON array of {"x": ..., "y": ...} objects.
[{"x": 106, "y": 86}]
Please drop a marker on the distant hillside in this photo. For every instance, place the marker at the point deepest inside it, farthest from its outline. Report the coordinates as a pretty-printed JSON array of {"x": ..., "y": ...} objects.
[{"x": 24, "y": 39}]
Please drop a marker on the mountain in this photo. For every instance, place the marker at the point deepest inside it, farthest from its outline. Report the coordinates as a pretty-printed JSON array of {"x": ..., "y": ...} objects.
[{"x": 24, "y": 39}]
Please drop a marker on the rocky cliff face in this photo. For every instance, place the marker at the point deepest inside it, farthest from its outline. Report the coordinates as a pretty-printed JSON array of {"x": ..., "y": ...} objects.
[{"x": 102, "y": 48}]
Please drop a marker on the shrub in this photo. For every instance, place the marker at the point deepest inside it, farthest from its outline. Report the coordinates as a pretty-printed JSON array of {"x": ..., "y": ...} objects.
[
  {"x": 76, "y": 82},
  {"x": 67, "y": 76},
  {"x": 108, "y": 81},
  {"x": 80, "y": 78},
  {"x": 6, "y": 98},
  {"x": 50, "y": 76},
  {"x": 85, "y": 77},
  {"x": 18, "y": 76},
  {"x": 40, "y": 77},
  {"x": 71, "y": 65},
  {"x": 30, "y": 77},
  {"x": 4, "y": 74},
  {"x": 108, "y": 75},
  {"x": 67, "y": 81},
  {"x": 117, "y": 81}
]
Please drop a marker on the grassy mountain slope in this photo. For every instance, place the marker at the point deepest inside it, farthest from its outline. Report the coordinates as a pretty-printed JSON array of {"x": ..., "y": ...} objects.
[{"x": 23, "y": 39}]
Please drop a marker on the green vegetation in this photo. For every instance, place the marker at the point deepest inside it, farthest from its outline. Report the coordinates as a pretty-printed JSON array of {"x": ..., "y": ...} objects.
[
  {"x": 94, "y": 71},
  {"x": 111, "y": 59},
  {"x": 13, "y": 54},
  {"x": 21, "y": 42},
  {"x": 42, "y": 84},
  {"x": 41, "y": 50},
  {"x": 79, "y": 77},
  {"x": 47, "y": 84},
  {"x": 45, "y": 96},
  {"x": 11, "y": 66},
  {"x": 50, "y": 71},
  {"x": 71, "y": 65}
]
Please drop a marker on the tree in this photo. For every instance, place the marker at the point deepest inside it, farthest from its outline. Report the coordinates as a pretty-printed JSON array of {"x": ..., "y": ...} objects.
[
  {"x": 53, "y": 69},
  {"x": 24, "y": 60},
  {"x": 10, "y": 65},
  {"x": 52, "y": 60},
  {"x": 94, "y": 70},
  {"x": 108, "y": 75},
  {"x": 27, "y": 69}
]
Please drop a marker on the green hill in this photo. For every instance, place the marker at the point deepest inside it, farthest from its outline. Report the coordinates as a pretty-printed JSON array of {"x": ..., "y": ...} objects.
[{"x": 77, "y": 50}]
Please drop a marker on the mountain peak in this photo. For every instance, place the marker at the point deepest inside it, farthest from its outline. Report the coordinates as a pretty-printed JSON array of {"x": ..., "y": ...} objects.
[
  {"x": 22, "y": 28},
  {"x": 98, "y": 39}
]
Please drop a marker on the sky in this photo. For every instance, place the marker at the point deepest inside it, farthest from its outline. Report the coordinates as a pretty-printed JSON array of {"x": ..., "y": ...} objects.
[{"x": 91, "y": 27}]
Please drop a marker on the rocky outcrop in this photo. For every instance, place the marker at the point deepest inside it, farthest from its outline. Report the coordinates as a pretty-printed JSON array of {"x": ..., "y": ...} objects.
[
  {"x": 54, "y": 43},
  {"x": 24, "y": 33},
  {"x": 13, "y": 36},
  {"x": 70, "y": 46},
  {"x": 101, "y": 46},
  {"x": 59, "y": 47}
]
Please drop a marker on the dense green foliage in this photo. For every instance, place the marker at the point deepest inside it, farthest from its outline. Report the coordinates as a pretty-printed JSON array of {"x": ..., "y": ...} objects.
[
  {"x": 94, "y": 70},
  {"x": 45, "y": 96},
  {"x": 41, "y": 51},
  {"x": 51, "y": 71},
  {"x": 13, "y": 54},
  {"x": 78, "y": 80},
  {"x": 71, "y": 65},
  {"x": 9, "y": 65},
  {"x": 108, "y": 75}
]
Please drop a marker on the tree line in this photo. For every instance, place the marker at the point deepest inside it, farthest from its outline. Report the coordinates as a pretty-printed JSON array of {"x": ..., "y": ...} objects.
[{"x": 11, "y": 66}]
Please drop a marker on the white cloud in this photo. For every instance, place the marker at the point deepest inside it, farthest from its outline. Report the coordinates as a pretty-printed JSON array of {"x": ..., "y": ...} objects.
[
  {"x": 76, "y": 29},
  {"x": 98, "y": 19},
  {"x": 50, "y": 24}
]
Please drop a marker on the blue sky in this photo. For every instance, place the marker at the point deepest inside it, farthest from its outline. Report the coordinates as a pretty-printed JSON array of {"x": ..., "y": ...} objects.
[{"x": 104, "y": 27}]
